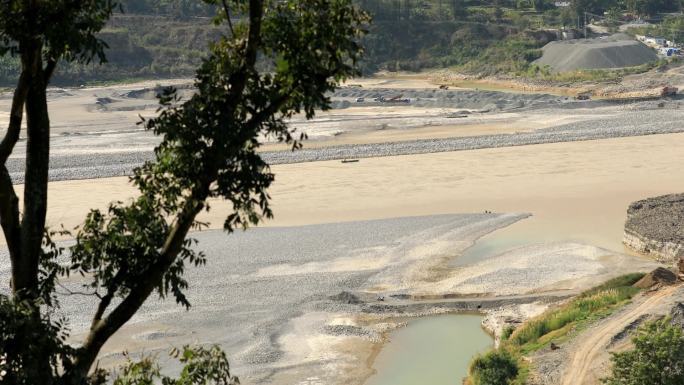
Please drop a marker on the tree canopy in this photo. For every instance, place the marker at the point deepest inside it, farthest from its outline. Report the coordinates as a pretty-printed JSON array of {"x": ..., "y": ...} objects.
[
  {"x": 657, "y": 357},
  {"x": 208, "y": 150}
]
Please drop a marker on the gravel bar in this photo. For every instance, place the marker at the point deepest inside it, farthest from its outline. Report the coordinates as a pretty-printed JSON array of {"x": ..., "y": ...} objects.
[
  {"x": 627, "y": 123},
  {"x": 633, "y": 120}
]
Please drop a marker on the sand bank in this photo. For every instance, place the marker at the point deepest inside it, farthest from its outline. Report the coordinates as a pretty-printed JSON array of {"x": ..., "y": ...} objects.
[{"x": 576, "y": 191}]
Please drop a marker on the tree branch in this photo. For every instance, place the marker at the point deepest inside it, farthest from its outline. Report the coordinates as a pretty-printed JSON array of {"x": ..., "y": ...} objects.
[
  {"x": 49, "y": 70},
  {"x": 101, "y": 308},
  {"x": 16, "y": 116},
  {"x": 36, "y": 171},
  {"x": 227, "y": 10},
  {"x": 9, "y": 202},
  {"x": 83, "y": 293},
  {"x": 102, "y": 330},
  {"x": 107, "y": 299},
  {"x": 9, "y": 218},
  {"x": 256, "y": 13}
]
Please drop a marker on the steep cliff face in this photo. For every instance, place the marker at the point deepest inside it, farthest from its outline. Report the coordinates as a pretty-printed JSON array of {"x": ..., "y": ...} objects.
[{"x": 655, "y": 226}]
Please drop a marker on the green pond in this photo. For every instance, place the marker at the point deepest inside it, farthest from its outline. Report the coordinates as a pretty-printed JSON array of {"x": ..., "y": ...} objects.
[{"x": 431, "y": 351}]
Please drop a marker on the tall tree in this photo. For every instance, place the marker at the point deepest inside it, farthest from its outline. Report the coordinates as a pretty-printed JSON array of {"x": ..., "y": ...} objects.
[{"x": 208, "y": 150}]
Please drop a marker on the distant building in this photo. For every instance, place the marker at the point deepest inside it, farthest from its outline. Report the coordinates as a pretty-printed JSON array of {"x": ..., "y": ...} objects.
[
  {"x": 562, "y": 3},
  {"x": 655, "y": 41},
  {"x": 661, "y": 41}
]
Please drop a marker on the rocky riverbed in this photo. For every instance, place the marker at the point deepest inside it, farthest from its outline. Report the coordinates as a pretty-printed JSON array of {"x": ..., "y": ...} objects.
[{"x": 95, "y": 133}]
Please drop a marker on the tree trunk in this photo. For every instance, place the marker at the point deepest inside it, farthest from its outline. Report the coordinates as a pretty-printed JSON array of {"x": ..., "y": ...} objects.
[
  {"x": 25, "y": 271},
  {"x": 36, "y": 177},
  {"x": 25, "y": 239}
]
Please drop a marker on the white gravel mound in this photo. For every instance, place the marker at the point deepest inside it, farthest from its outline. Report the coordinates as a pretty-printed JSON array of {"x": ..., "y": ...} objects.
[{"x": 617, "y": 51}]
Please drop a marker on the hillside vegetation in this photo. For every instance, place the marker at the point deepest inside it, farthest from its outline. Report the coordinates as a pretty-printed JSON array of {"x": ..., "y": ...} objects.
[{"x": 167, "y": 38}]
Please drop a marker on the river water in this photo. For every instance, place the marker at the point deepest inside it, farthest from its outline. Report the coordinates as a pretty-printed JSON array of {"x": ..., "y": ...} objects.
[{"x": 432, "y": 350}]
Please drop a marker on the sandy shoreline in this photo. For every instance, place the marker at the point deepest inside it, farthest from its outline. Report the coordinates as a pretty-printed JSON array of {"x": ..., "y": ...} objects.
[{"x": 564, "y": 196}]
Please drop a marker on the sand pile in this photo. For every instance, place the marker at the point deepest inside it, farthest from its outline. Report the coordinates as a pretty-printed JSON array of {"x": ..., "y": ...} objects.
[{"x": 617, "y": 51}]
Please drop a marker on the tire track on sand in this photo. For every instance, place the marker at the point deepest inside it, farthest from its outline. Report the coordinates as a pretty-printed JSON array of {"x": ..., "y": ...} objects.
[{"x": 586, "y": 353}]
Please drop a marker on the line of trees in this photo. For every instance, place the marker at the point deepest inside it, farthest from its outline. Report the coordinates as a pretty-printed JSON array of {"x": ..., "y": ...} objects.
[
  {"x": 175, "y": 8},
  {"x": 635, "y": 7},
  {"x": 458, "y": 9}
]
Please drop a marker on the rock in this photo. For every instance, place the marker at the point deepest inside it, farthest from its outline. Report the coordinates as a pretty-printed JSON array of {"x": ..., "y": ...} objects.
[
  {"x": 660, "y": 276},
  {"x": 677, "y": 315},
  {"x": 654, "y": 227},
  {"x": 680, "y": 265},
  {"x": 346, "y": 297},
  {"x": 629, "y": 329},
  {"x": 349, "y": 330}
]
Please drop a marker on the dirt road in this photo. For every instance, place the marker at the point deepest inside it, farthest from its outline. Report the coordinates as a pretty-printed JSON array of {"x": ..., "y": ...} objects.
[{"x": 588, "y": 350}]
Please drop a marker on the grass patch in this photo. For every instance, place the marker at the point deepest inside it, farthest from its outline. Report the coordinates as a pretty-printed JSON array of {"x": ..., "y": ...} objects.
[
  {"x": 592, "y": 304},
  {"x": 626, "y": 280},
  {"x": 534, "y": 71},
  {"x": 555, "y": 325},
  {"x": 506, "y": 332}
]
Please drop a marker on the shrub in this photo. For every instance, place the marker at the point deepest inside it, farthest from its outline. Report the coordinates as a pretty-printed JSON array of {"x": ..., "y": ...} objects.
[
  {"x": 506, "y": 332},
  {"x": 497, "y": 367},
  {"x": 657, "y": 357}
]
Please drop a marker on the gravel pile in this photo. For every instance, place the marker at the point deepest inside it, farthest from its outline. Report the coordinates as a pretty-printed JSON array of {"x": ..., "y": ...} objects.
[
  {"x": 351, "y": 330},
  {"x": 614, "y": 52},
  {"x": 480, "y": 100},
  {"x": 658, "y": 218}
]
